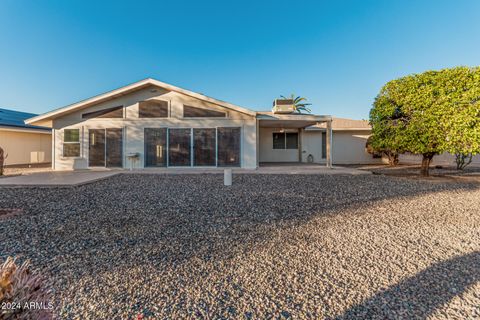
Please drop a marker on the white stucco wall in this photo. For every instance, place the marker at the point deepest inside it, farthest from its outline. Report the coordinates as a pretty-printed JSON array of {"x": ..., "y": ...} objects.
[
  {"x": 26, "y": 147},
  {"x": 348, "y": 147},
  {"x": 134, "y": 126},
  {"x": 268, "y": 154}
]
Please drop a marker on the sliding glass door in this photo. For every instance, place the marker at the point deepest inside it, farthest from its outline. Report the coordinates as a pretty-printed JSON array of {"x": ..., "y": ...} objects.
[
  {"x": 105, "y": 147},
  {"x": 179, "y": 147},
  {"x": 229, "y": 144},
  {"x": 114, "y": 154},
  {"x": 96, "y": 148},
  {"x": 155, "y": 147},
  {"x": 204, "y": 147}
]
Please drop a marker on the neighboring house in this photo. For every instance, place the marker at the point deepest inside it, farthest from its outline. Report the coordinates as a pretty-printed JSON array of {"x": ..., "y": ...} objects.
[{"x": 24, "y": 145}]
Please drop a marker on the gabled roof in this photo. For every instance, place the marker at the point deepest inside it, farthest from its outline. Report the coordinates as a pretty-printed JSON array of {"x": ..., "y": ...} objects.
[
  {"x": 15, "y": 119},
  {"x": 128, "y": 89}
]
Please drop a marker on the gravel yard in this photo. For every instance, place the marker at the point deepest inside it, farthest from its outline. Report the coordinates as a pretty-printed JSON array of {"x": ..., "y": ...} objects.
[{"x": 270, "y": 246}]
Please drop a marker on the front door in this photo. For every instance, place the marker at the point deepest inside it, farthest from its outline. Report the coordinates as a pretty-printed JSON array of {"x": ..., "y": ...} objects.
[{"x": 105, "y": 147}]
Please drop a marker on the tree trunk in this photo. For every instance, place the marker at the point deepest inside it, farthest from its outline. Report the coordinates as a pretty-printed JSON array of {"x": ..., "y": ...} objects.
[
  {"x": 426, "y": 160},
  {"x": 392, "y": 158}
]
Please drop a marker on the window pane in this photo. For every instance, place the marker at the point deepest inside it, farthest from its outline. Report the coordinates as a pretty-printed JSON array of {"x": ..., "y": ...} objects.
[
  {"x": 115, "y": 112},
  {"x": 204, "y": 147},
  {"x": 71, "y": 149},
  {"x": 179, "y": 147},
  {"x": 114, "y": 155},
  {"x": 96, "y": 148},
  {"x": 324, "y": 145},
  {"x": 71, "y": 135},
  {"x": 292, "y": 140},
  {"x": 279, "y": 140},
  {"x": 155, "y": 147},
  {"x": 229, "y": 140},
  {"x": 193, "y": 112},
  {"x": 153, "y": 109}
]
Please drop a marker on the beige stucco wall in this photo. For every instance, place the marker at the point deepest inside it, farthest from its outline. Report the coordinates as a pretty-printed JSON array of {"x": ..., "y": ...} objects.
[
  {"x": 26, "y": 147},
  {"x": 134, "y": 126},
  {"x": 348, "y": 147},
  {"x": 441, "y": 159},
  {"x": 268, "y": 154}
]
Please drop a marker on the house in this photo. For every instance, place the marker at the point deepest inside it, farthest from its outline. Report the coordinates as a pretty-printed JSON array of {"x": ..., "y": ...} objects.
[
  {"x": 24, "y": 145},
  {"x": 154, "y": 124}
]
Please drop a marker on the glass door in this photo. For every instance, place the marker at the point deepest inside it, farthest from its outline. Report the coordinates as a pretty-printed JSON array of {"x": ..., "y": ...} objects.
[
  {"x": 179, "y": 147},
  {"x": 228, "y": 140},
  {"x": 155, "y": 147},
  {"x": 114, "y": 152},
  {"x": 204, "y": 147},
  {"x": 96, "y": 147}
]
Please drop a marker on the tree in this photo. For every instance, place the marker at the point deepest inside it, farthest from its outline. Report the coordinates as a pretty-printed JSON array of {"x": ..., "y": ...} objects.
[
  {"x": 298, "y": 104},
  {"x": 429, "y": 113}
]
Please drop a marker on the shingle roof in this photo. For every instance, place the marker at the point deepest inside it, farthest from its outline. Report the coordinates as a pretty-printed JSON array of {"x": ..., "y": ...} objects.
[{"x": 12, "y": 118}]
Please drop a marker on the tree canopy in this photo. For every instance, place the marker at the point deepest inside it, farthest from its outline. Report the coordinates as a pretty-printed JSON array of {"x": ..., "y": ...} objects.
[{"x": 429, "y": 113}]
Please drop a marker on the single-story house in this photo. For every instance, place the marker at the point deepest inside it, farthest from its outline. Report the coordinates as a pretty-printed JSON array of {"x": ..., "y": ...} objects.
[
  {"x": 154, "y": 124},
  {"x": 24, "y": 145}
]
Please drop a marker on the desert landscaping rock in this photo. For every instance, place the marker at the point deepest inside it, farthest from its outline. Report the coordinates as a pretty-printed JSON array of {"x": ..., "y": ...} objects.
[{"x": 269, "y": 246}]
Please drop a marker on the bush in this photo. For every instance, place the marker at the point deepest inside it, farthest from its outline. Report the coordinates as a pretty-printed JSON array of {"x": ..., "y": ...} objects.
[{"x": 23, "y": 294}]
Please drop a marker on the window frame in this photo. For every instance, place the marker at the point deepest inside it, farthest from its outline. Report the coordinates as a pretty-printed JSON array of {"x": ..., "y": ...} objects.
[
  {"x": 206, "y": 117},
  {"x": 154, "y": 101},
  {"x": 71, "y": 143},
  {"x": 284, "y": 134},
  {"x": 99, "y": 115}
]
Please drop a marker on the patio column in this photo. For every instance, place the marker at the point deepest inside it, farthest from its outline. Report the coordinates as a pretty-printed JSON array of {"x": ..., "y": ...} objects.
[{"x": 329, "y": 144}]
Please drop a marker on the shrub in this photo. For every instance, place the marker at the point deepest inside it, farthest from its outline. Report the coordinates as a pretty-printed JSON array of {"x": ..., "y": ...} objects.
[{"x": 23, "y": 293}]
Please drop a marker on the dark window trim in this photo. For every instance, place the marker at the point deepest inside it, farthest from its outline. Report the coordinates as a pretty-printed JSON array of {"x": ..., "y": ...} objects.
[
  {"x": 100, "y": 113},
  {"x": 225, "y": 113},
  {"x": 154, "y": 101},
  {"x": 284, "y": 140}
]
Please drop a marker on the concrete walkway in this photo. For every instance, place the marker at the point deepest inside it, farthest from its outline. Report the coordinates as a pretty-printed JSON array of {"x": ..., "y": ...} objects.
[
  {"x": 55, "y": 178},
  {"x": 75, "y": 178}
]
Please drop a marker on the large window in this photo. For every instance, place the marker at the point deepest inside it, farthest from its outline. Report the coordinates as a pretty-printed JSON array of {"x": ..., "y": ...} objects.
[
  {"x": 153, "y": 109},
  {"x": 228, "y": 144},
  {"x": 71, "y": 143},
  {"x": 115, "y": 112},
  {"x": 179, "y": 147},
  {"x": 285, "y": 140},
  {"x": 194, "y": 112}
]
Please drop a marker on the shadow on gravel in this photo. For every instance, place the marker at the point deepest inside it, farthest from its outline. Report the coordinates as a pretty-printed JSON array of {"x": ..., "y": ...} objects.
[{"x": 419, "y": 296}]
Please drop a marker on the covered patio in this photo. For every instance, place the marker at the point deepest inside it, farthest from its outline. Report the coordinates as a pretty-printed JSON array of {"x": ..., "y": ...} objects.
[{"x": 280, "y": 137}]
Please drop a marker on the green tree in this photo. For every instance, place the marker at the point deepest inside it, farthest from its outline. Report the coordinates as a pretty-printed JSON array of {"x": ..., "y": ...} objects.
[
  {"x": 428, "y": 114},
  {"x": 299, "y": 103}
]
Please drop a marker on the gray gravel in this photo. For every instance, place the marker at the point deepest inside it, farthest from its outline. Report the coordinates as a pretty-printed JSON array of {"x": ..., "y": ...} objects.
[{"x": 270, "y": 246}]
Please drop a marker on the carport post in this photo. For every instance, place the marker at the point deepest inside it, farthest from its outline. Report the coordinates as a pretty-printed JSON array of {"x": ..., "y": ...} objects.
[{"x": 329, "y": 143}]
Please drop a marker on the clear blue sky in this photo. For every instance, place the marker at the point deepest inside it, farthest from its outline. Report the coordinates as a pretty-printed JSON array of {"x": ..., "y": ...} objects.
[{"x": 336, "y": 53}]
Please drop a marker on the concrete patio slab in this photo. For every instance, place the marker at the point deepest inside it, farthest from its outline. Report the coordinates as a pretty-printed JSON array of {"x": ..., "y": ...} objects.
[{"x": 56, "y": 178}]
